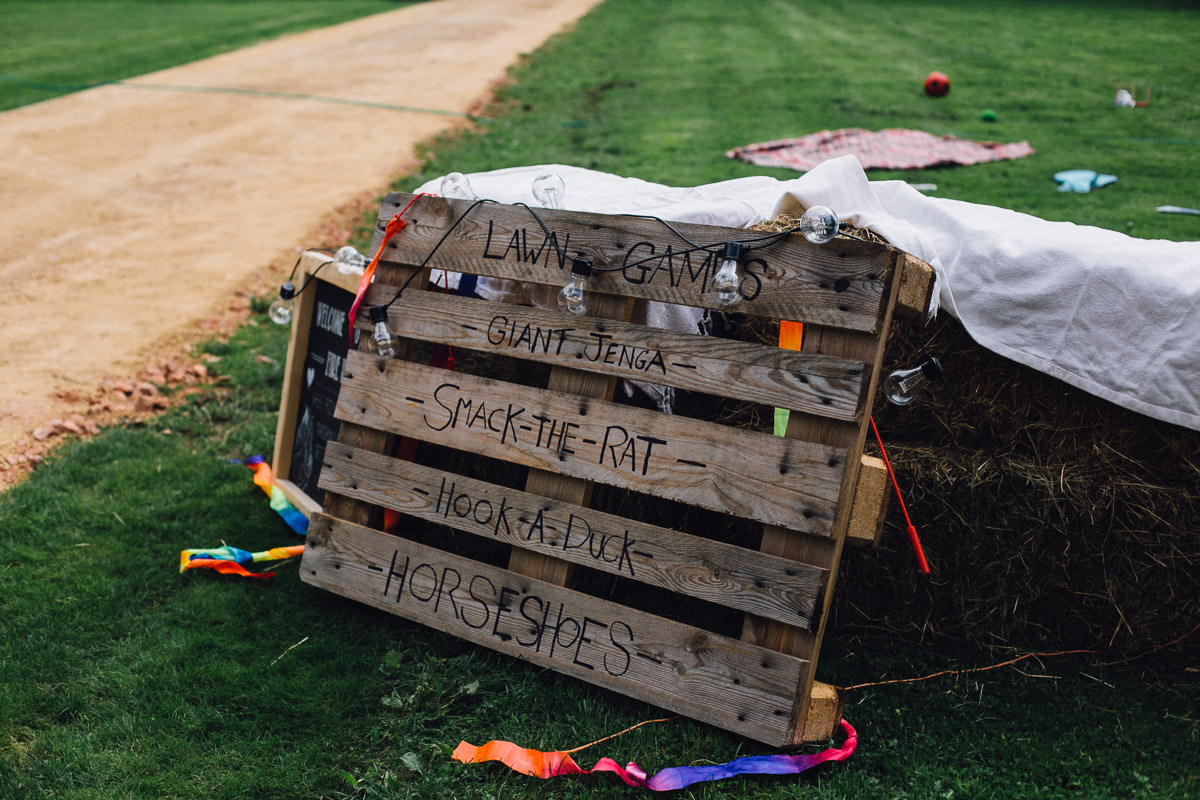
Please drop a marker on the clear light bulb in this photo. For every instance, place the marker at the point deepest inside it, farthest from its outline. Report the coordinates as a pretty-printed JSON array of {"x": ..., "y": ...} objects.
[
  {"x": 349, "y": 261},
  {"x": 380, "y": 342},
  {"x": 455, "y": 186},
  {"x": 727, "y": 282},
  {"x": 902, "y": 386},
  {"x": 573, "y": 297},
  {"x": 549, "y": 189},
  {"x": 818, "y": 224},
  {"x": 281, "y": 309}
]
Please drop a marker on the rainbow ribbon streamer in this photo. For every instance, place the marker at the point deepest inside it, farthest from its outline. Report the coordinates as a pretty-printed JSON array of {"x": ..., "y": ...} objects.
[
  {"x": 232, "y": 560},
  {"x": 552, "y": 764},
  {"x": 265, "y": 480}
]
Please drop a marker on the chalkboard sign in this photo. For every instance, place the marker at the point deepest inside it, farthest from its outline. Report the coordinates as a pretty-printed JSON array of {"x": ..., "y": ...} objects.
[{"x": 316, "y": 356}]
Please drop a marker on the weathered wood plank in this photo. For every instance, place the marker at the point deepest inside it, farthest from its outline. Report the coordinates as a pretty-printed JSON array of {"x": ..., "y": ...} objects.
[
  {"x": 822, "y": 385},
  {"x": 825, "y": 551},
  {"x": 810, "y": 549},
  {"x": 753, "y": 475},
  {"x": 709, "y": 570},
  {"x": 825, "y": 705},
  {"x": 838, "y": 284},
  {"x": 735, "y": 685},
  {"x": 299, "y": 500},
  {"x": 564, "y": 487}
]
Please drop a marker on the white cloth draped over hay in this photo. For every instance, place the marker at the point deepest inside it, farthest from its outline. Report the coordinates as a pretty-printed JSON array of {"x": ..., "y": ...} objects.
[{"x": 1112, "y": 315}]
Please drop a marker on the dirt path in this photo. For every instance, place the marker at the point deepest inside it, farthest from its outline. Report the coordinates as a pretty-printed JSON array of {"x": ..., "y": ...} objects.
[{"x": 131, "y": 216}]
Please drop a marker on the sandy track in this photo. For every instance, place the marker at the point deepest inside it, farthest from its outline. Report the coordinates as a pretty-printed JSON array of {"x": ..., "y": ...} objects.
[{"x": 130, "y": 215}]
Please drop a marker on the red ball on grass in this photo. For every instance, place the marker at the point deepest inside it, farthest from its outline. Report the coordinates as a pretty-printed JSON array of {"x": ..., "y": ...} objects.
[{"x": 937, "y": 84}]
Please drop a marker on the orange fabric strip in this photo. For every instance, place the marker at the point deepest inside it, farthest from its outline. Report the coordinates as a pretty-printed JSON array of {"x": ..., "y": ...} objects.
[
  {"x": 791, "y": 334},
  {"x": 227, "y": 568}
]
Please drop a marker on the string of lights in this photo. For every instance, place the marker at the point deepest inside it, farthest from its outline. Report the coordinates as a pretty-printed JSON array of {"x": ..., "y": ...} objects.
[
  {"x": 281, "y": 310},
  {"x": 819, "y": 225}
]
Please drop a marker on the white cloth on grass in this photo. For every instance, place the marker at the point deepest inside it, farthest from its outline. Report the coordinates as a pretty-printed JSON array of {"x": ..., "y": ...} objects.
[
  {"x": 1115, "y": 316},
  {"x": 1112, "y": 315}
]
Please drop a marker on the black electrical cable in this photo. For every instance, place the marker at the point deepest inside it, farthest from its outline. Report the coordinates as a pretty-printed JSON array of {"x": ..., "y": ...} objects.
[
  {"x": 770, "y": 239},
  {"x": 296, "y": 266},
  {"x": 428, "y": 257},
  {"x": 288, "y": 291},
  {"x": 663, "y": 222},
  {"x": 775, "y": 238},
  {"x": 767, "y": 240},
  {"x": 715, "y": 247},
  {"x": 320, "y": 266}
]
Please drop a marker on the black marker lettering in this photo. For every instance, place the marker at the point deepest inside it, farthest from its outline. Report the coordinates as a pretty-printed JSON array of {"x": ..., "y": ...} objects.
[
  {"x": 450, "y": 594},
  {"x": 583, "y": 638},
  {"x": 612, "y": 631},
  {"x": 449, "y": 410},
  {"x": 412, "y": 585},
  {"x": 401, "y": 575},
  {"x": 488, "y": 244},
  {"x": 501, "y": 608},
  {"x": 532, "y": 620},
  {"x": 487, "y": 613}
]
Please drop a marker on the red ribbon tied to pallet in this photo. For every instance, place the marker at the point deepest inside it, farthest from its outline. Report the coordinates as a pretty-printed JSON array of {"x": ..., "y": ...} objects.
[
  {"x": 554, "y": 763},
  {"x": 394, "y": 226}
]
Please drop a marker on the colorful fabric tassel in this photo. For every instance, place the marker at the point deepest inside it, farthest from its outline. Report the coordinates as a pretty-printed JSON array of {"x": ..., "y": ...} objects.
[
  {"x": 265, "y": 480},
  {"x": 228, "y": 568},
  {"x": 552, "y": 764},
  {"x": 237, "y": 555},
  {"x": 233, "y": 560}
]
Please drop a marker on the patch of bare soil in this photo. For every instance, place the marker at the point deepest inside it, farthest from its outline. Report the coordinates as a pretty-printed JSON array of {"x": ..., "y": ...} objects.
[{"x": 137, "y": 221}]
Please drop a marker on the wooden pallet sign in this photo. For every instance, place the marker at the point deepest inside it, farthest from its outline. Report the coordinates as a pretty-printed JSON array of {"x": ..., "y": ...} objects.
[{"x": 684, "y": 561}]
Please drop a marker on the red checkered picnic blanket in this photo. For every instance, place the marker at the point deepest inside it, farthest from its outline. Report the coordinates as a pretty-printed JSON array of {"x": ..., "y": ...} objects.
[{"x": 893, "y": 148}]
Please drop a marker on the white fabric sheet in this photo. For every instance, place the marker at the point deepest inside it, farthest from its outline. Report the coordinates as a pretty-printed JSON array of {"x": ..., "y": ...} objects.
[{"x": 1110, "y": 314}]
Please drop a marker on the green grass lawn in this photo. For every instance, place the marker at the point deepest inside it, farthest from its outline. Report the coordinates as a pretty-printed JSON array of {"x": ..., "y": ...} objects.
[
  {"x": 123, "y": 679},
  {"x": 662, "y": 91},
  {"x": 73, "y": 43}
]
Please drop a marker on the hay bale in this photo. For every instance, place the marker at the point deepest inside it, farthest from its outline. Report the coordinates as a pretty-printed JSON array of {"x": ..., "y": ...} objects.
[{"x": 1050, "y": 517}]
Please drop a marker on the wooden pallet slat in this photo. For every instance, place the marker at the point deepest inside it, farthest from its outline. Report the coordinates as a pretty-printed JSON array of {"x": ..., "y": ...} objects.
[
  {"x": 706, "y": 676},
  {"x": 816, "y": 384},
  {"x": 762, "y": 584},
  {"x": 744, "y": 473},
  {"x": 788, "y": 543},
  {"x": 841, "y": 283}
]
